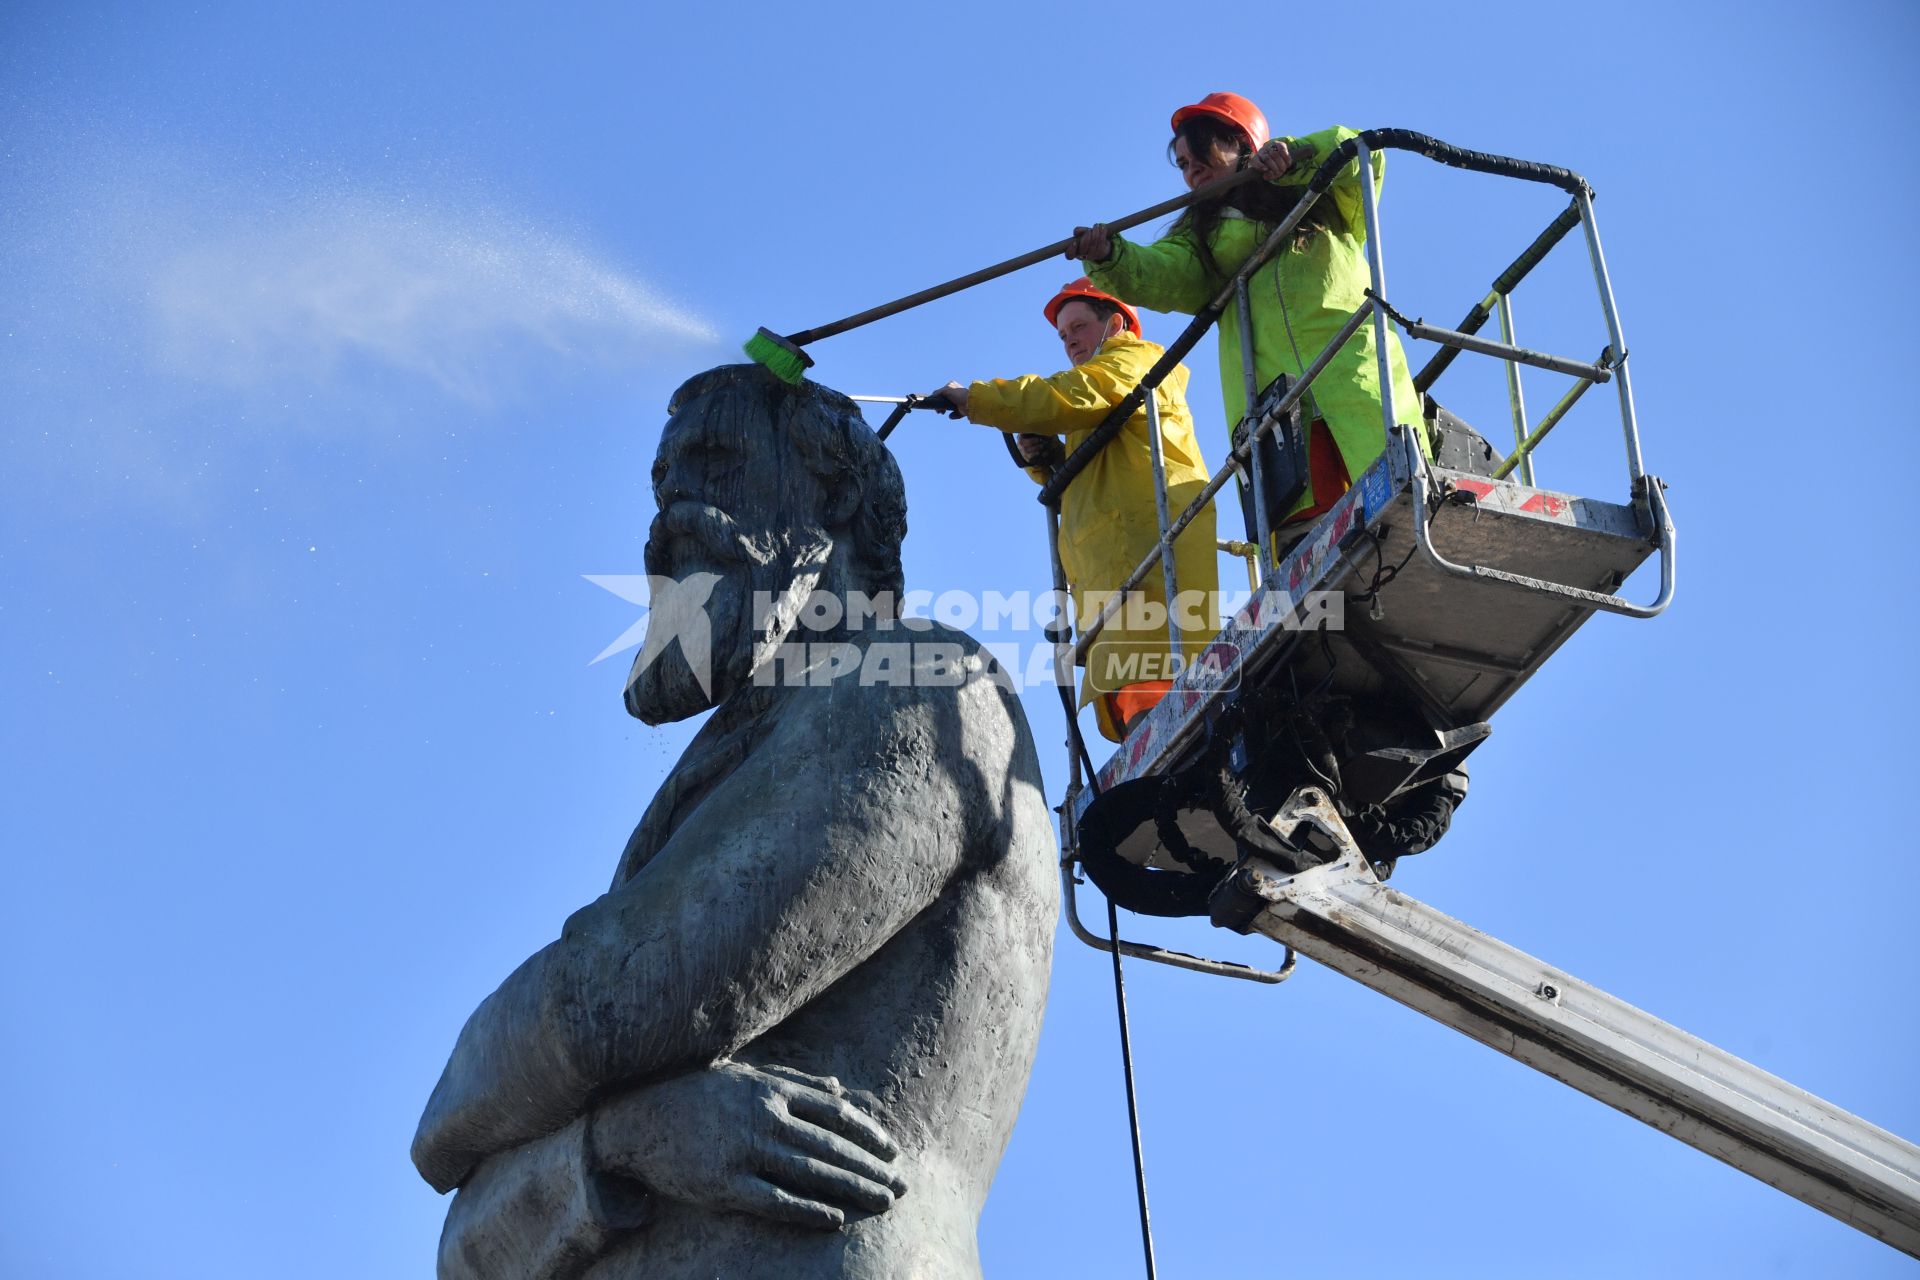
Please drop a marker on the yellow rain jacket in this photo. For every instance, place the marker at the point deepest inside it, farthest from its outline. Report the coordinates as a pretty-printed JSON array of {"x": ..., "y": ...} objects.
[
  {"x": 1108, "y": 522},
  {"x": 1298, "y": 301}
]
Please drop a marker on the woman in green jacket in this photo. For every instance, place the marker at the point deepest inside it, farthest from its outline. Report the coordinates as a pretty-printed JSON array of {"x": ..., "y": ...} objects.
[{"x": 1298, "y": 300}]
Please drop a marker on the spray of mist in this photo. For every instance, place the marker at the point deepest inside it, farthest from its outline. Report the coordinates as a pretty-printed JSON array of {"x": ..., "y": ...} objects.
[
  {"x": 161, "y": 308},
  {"x": 466, "y": 300},
  {"x": 164, "y": 275}
]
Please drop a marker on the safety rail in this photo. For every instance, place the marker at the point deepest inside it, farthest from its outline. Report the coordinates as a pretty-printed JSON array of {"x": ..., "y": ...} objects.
[
  {"x": 1611, "y": 366},
  {"x": 1214, "y": 484},
  {"x": 1166, "y": 956},
  {"x": 1646, "y": 490}
]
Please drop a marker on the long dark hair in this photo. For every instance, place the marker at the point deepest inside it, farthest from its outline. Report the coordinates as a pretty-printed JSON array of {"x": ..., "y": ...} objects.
[{"x": 1264, "y": 202}]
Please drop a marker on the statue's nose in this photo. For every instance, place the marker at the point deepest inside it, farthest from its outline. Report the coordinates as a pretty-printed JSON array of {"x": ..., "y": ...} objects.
[{"x": 673, "y": 484}]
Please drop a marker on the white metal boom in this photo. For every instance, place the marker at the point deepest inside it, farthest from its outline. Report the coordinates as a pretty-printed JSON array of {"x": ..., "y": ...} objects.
[{"x": 1341, "y": 914}]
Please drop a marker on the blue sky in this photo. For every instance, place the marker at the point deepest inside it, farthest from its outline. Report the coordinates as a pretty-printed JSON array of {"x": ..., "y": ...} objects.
[{"x": 334, "y": 347}]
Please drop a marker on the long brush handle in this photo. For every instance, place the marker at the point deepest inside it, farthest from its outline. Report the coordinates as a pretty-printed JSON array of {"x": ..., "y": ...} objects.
[{"x": 1218, "y": 187}]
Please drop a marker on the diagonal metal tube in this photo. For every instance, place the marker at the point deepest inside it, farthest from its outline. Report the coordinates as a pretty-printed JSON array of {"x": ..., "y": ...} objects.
[
  {"x": 1225, "y": 473},
  {"x": 1340, "y": 914}
]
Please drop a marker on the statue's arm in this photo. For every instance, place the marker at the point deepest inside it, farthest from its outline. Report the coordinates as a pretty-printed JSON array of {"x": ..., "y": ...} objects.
[
  {"x": 533, "y": 1213},
  {"x": 842, "y": 826},
  {"x": 768, "y": 1141}
]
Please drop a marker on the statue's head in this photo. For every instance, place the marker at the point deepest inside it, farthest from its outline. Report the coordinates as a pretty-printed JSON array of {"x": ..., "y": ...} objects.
[{"x": 764, "y": 489}]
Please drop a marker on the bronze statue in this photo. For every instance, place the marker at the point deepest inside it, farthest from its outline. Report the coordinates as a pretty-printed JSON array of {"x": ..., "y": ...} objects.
[{"x": 792, "y": 1039}]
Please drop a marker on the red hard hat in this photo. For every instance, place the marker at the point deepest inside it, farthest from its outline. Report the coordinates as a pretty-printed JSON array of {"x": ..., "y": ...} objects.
[
  {"x": 1083, "y": 288},
  {"x": 1232, "y": 108}
]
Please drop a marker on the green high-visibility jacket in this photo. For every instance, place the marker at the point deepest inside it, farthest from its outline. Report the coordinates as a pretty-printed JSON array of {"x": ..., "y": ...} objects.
[{"x": 1298, "y": 301}]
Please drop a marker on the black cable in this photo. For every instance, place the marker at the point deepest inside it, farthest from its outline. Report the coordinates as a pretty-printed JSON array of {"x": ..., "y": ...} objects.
[
  {"x": 1333, "y": 787},
  {"x": 1381, "y": 575},
  {"x": 1079, "y": 743},
  {"x": 1504, "y": 284},
  {"x": 1166, "y": 823},
  {"x": 1119, "y": 1000},
  {"x": 1333, "y": 666},
  {"x": 1459, "y": 157},
  {"x": 1133, "y": 1107},
  {"x": 1377, "y": 537}
]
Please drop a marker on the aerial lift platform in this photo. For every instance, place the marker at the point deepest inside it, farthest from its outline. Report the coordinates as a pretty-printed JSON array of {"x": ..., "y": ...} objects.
[{"x": 1274, "y": 787}]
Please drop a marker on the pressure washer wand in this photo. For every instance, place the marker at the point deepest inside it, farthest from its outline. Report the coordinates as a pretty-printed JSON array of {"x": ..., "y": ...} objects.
[
  {"x": 902, "y": 405},
  {"x": 939, "y": 403},
  {"x": 785, "y": 357}
]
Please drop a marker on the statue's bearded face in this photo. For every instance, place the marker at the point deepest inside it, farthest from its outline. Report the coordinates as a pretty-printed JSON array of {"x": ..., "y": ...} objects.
[{"x": 735, "y": 502}]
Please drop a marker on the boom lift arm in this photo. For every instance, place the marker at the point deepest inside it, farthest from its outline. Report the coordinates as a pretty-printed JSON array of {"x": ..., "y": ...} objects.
[{"x": 1340, "y": 914}]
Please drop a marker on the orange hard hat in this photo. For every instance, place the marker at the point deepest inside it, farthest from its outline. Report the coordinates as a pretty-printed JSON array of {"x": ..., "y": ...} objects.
[
  {"x": 1083, "y": 288},
  {"x": 1232, "y": 108}
]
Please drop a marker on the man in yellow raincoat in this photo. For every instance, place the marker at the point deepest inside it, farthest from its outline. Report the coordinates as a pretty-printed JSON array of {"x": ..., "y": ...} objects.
[{"x": 1108, "y": 520}]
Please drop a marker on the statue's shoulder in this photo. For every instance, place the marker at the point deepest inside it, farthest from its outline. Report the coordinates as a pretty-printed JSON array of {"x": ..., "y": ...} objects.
[
  {"x": 927, "y": 663},
  {"x": 914, "y": 686}
]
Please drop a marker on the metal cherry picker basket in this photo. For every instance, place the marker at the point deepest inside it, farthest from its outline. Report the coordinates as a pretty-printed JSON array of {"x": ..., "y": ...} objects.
[{"x": 1459, "y": 580}]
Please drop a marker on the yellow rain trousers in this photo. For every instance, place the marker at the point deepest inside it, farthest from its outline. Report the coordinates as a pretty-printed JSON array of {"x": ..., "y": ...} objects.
[
  {"x": 1298, "y": 302},
  {"x": 1108, "y": 522}
]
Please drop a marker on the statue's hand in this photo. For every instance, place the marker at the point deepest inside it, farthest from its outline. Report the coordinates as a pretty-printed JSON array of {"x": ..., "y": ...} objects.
[{"x": 775, "y": 1143}]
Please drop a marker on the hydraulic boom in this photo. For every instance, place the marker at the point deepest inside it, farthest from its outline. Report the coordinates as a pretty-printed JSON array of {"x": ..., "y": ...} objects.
[{"x": 1340, "y": 914}]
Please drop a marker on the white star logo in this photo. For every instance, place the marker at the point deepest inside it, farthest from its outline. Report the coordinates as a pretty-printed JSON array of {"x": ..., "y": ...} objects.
[{"x": 676, "y": 609}]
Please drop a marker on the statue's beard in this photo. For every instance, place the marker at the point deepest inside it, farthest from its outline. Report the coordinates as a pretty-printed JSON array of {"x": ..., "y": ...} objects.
[{"x": 692, "y": 542}]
